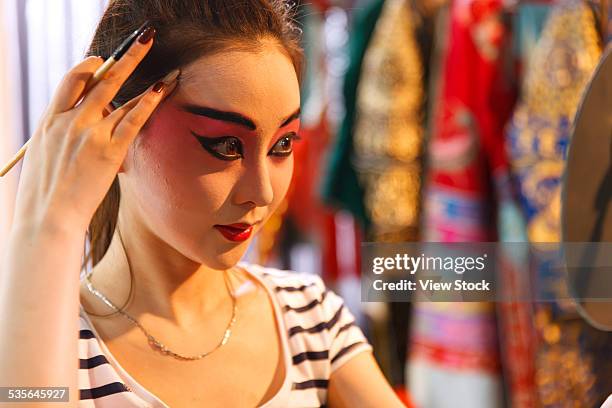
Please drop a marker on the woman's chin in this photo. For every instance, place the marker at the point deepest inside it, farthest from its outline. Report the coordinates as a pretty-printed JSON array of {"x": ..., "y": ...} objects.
[{"x": 214, "y": 252}]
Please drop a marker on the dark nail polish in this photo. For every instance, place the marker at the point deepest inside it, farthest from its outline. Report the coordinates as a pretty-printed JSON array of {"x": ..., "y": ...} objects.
[
  {"x": 158, "y": 87},
  {"x": 146, "y": 35}
]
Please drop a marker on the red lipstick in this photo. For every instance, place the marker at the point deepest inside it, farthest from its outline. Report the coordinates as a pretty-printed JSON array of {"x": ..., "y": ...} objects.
[{"x": 235, "y": 232}]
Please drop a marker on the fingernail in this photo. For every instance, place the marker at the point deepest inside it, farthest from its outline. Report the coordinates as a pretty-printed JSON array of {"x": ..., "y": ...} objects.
[
  {"x": 171, "y": 77},
  {"x": 158, "y": 87},
  {"x": 146, "y": 35}
]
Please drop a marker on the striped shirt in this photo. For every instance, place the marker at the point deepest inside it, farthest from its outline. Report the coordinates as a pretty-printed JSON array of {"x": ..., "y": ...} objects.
[{"x": 320, "y": 335}]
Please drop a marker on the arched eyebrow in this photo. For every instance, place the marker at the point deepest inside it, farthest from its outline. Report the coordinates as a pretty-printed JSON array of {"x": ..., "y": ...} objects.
[
  {"x": 232, "y": 117},
  {"x": 291, "y": 118}
]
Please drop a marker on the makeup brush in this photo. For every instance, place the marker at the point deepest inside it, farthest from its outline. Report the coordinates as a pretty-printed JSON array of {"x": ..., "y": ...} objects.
[{"x": 97, "y": 76}]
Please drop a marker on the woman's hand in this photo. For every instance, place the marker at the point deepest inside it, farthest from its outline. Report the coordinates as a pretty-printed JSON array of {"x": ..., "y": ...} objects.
[
  {"x": 360, "y": 383},
  {"x": 76, "y": 151}
]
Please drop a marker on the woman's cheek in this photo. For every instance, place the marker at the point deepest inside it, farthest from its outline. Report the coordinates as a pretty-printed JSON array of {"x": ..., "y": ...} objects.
[{"x": 177, "y": 170}]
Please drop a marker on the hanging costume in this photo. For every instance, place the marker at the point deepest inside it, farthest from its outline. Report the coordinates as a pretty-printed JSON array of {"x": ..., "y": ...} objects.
[
  {"x": 454, "y": 346},
  {"x": 572, "y": 359}
]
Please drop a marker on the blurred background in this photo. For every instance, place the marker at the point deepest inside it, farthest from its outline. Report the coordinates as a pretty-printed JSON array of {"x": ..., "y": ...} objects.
[{"x": 423, "y": 120}]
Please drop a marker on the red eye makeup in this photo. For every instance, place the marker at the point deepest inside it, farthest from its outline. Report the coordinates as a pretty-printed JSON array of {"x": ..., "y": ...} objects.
[
  {"x": 223, "y": 123},
  {"x": 225, "y": 148}
]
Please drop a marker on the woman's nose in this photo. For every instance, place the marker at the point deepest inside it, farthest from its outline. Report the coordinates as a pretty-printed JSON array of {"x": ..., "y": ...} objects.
[{"x": 255, "y": 184}]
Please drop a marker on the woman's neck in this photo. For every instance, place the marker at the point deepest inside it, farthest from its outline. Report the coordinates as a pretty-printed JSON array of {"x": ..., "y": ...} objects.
[{"x": 166, "y": 283}]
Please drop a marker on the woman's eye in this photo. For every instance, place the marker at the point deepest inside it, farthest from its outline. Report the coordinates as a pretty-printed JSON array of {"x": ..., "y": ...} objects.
[
  {"x": 284, "y": 145},
  {"x": 224, "y": 148}
]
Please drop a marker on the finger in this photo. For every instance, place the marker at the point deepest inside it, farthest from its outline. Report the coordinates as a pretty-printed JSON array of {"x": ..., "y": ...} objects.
[
  {"x": 130, "y": 121},
  {"x": 72, "y": 85},
  {"x": 113, "y": 118},
  {"x": 104, "y": 92}
]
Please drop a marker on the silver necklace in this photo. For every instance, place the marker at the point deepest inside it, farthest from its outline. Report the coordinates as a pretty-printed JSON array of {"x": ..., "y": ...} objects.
[{"x": 159, "y": 345}]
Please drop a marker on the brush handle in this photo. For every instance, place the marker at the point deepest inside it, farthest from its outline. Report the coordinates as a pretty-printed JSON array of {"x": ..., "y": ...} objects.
[
  {"x": 18, "y": 156},
  {"x": 97, "y": 77}
]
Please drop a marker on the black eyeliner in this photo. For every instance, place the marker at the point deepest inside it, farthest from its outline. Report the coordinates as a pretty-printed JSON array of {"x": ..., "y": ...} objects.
[
  {"x": 207, "y": 144},
  {"x": 291, "y": 136}
]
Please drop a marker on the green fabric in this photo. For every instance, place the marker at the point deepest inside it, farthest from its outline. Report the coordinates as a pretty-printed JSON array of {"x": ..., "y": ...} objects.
[{"x": 340, "y": 185}]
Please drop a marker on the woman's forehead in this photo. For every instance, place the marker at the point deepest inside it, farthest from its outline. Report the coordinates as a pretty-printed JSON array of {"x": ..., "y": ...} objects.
[{"x": 258, "y": 81}]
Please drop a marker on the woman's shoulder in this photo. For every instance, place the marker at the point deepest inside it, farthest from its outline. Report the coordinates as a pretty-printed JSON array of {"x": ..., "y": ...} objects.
[
  {"x": 284, "y": 277},
  {"x": 288, "y": 284},
  {"x": 317, "y": 319},
  {"x": 307, "y": 304}
]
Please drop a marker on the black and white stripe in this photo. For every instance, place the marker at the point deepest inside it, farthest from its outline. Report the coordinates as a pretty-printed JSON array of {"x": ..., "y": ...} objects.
[{"x": 320, "y": 334}]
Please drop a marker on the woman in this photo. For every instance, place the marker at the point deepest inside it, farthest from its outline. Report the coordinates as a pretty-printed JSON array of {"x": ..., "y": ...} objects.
[{"x": 169, "y": 316}]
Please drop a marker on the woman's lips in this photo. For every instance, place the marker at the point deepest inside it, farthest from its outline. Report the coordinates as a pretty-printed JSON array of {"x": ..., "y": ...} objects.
[{"x": 235, "y": 232}]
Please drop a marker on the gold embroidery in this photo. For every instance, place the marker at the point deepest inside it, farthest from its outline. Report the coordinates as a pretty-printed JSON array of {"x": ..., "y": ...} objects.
[
  {"x": 388, "y": 133},
  {"x": 557, "y": 74}
]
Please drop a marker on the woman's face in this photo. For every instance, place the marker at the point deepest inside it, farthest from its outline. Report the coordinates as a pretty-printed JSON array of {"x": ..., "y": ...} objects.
[{"x": 216, "y": 152}]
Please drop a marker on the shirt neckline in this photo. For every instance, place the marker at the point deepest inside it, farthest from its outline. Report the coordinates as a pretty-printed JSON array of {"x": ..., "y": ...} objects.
[{"x": 277, "y": 399}]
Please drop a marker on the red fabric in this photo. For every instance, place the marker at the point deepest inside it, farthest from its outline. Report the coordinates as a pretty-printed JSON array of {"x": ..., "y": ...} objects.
[
  {"x": 404, "y": 396},
  {"x": 467, "y": 152},
  {"x": 475, "y": 83},
  {"x": 305, "y": 207}
]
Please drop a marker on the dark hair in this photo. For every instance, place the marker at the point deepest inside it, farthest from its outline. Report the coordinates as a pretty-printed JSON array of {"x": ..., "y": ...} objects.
[{"x": 186, "y": 31}]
